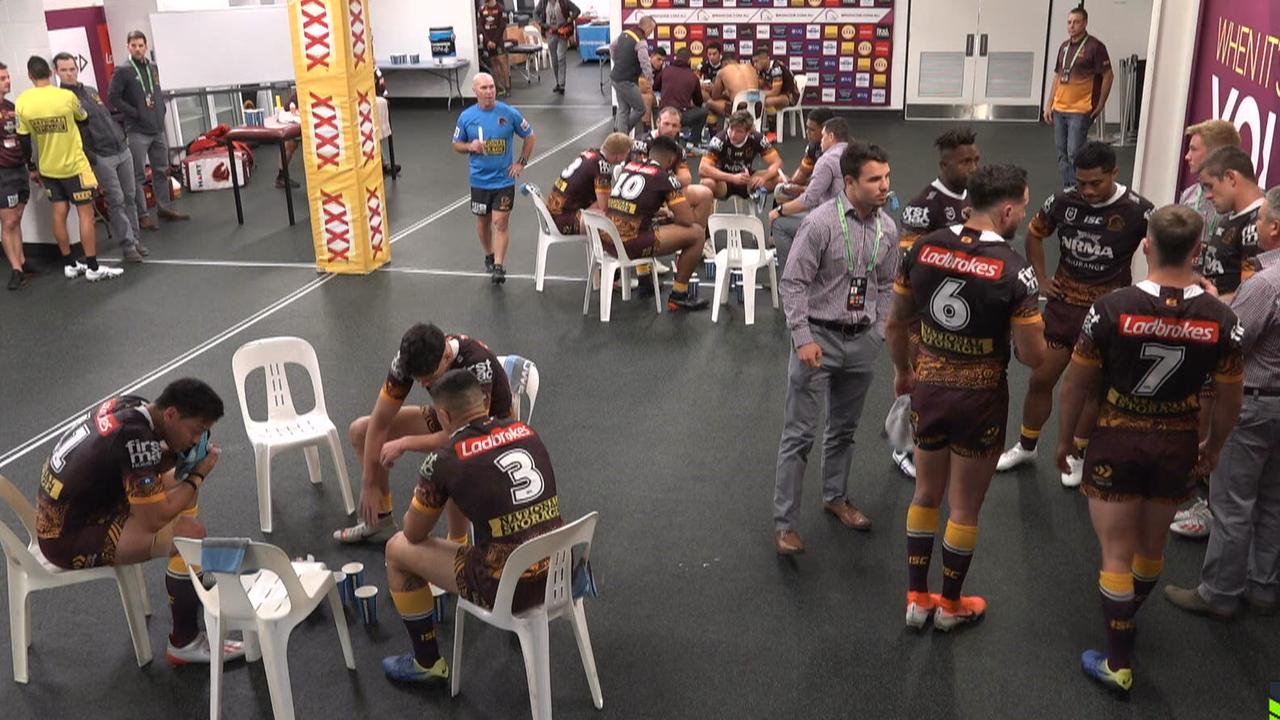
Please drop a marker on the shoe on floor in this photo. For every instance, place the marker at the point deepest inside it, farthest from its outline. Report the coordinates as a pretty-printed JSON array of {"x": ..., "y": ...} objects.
[
  {"x": 131, "y": 254},
  {"x": 74, "y": 270},
  {"x": 405, "y": 668},
  {"x": 1194, "y": 521},
  {"x": 1259, "y": 606},
  {"x": 969, "y": 609},
  {"x": 488, "y": 263},
  {"x": 1095, "y": 666},
  {"x": 1189, "y": 599},
  {"x": 904, "y": 463},
  {"x": 167, "y": 214},
  {"x": 848, "y": 515},
  {"x": 142, "y": 249},
  {"x": 677, "y": 301},
  {"x": 29, "y": 270},
  {"x": 1076, "y": 475},
  {"x": 16, "y": 280},
  {"x": 380, "y": 531},
  {"x": 498, "y": 275},
  {"x": 102, "y": 272},
  {"x": 788, "y": 542},
  {"x": 147, "y": 222},
  {"x": 198, "y": 651},
  {"x": 1014, "y": 456},
  {"x": 293, "y": 184},
  {"x": 920, "y": 607}
]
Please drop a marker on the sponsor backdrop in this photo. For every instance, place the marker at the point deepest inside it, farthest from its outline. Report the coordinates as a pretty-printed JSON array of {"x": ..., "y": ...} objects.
[
  {"x": 333, "y": 59},
  {"x": 1236, "y": 77},
  {"x": 844, "y": 46}
]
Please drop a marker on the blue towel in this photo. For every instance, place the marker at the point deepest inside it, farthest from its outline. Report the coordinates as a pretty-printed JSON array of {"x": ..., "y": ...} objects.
[{"x": 223, "y": 555}]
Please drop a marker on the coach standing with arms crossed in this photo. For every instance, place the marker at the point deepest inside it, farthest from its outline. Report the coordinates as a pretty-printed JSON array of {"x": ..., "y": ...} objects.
[
  {"x": 135, "y": 93},
  {"x": 630, "y": 56},
  {"x": 1081, "y": 85},
  {"x": 837, "y": 290}
]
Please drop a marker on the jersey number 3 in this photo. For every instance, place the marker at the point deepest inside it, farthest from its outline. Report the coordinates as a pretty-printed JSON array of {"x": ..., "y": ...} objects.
[{"x": 526, "y": 481}]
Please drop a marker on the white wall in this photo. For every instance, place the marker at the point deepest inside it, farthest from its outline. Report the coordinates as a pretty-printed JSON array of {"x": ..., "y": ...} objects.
[
  {"x": 1120, "y": 24},
  {"x": 23, "y": 33},
  {"x": 403, "y": 26},
  {"x": 125, "y": 16},
  {"x": 1164, "y": 103},
  {"x": 70, "y": 4}
]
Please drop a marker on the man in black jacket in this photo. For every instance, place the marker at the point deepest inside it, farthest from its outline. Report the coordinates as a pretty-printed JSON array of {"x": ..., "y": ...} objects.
[
  {"x": 135, "y": 93},
  {"x": 557, "y": 20},
  {"x": 109, "y": 155}
]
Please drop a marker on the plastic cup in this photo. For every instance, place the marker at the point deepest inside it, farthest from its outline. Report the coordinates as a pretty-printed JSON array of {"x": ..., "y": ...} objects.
[
  {"x": 367, "y": 598},
  {"x": 345, "y": 588},
  {"x": 355, "y": 571}
]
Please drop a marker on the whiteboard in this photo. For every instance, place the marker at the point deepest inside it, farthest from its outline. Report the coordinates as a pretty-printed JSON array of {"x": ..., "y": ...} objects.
[{"x": 235, "y": 46}]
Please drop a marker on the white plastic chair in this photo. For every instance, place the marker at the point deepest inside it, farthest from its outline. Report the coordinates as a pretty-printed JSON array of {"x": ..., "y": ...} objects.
[
  {"x": 735, "y": 257},
  {"x": 284, "y": 428},
  {"x": 531, "y": 625},
  {"x": 548, "y": 235},
  {"x": 28, "y": 571},
  {"x": 522, "y": 373},
  {"x": 796, "y": 112},
  {"x": 753, "y": 102},
  {"x": 266, "y": 605},
  {"x": 597, "y": 224},
  {"x": 533, "y": 36}
]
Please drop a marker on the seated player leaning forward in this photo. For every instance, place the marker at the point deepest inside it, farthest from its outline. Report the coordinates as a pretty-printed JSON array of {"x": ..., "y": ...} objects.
[
  {"x": 499, "y": 473},
  {"x": 726, "y": 168},
  {"x": 776, "y": 80},
  {"x": 640, "y": 191},
  {"x": 585, "y": 184},
  {"x": 733, "y": 78},
  {"x": 392, "y": 429},
  {"x": 110, "y": 495}
]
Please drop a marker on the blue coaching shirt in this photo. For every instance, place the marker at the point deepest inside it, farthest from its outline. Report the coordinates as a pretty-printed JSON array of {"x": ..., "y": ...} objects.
[{"x": 497, "y": 128}]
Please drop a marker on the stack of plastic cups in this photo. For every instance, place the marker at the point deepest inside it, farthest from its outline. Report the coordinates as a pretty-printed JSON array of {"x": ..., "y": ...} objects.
[
  {"x": 694, "y": 285},
  {"x": 709, "y": 268}
]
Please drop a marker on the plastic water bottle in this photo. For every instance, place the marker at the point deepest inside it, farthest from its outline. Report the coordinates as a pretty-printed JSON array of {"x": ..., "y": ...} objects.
[
  {"x": 694, "y": 286},
  {"x": 762, "y": 198},
  {"x": 709, "y": 268},
  {"x": 894, "y": 202},
  {"x": 524, "y": 189}
]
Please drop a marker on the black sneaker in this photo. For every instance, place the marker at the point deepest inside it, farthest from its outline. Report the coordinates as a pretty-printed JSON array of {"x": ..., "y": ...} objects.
[
  {"x": 488, "y": 264},
  {"x": 28, "y": 271},
  {"x": 16, "y": 280},
  {"x": 644, "y": 288},
  {"x": 677, "y": 301},
  {"x": 498, "y": 275},
  {"x": 558, "y": 89}
]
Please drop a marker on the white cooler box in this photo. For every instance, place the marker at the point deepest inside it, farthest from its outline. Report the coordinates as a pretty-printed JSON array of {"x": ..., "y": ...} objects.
[{"x": 209, "y": 170}]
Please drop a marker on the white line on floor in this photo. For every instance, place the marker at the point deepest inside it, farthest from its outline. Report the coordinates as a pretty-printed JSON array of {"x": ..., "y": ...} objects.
[{"x": 191, "y": 354}]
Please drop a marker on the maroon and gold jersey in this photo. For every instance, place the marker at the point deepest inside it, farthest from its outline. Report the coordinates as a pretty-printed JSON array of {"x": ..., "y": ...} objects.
[
  {"x": 936, "y": 207},
  {"x": 578, "y": 184},
  {"x": 640, "y": 190},
  {"x": 499, "y": 474},
  {"x": 492, "y": 24},
  {"x": 969, "y": 287},
  {"x": 10, "y": 149},
  {"x": 732, "y": 158},
  {"x": 1156, "y": 347},
  {"x": 778, "y": 73},
  {"x": 1097, "y": 241},
  {"x": 102, "y": 466},
  {"x": 473, "y": 356},
  {"x": 1234, "y": 241},
  {"x": 640, "y": 151}
]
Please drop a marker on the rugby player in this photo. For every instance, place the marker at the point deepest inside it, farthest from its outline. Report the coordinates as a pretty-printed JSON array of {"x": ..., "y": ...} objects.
[
  {"x": 669, "y": 125},
  {"x": 498, "y": 471},
  {"x": 1146, "y": 350},
  {"x": 799, "y": 180},
  {"x": 1100, "y": 224},
  {"x": 1230, "y": 183},
  {"x": 710, "y": 66},
  {"x": 970, "y": 292},
  {"x": 393, "y": 428},
  {"x": 777, "y": 81},
  {"x": 734, "y": 77},
  {"x": 110, "y": 495},
  {"x": 585, "y": 184},
  {"x": 726, "y": 167}
]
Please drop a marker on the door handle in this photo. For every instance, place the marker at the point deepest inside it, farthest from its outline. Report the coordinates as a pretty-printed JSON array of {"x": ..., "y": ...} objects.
[
  {"x": 982, "y": 51},
  {"x": 968, "y": 45}
]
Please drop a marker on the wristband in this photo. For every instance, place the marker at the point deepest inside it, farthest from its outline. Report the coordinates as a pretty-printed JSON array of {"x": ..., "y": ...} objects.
[
  {"x": 523, "y": 161},
  {"x": 194, "y": 484}
]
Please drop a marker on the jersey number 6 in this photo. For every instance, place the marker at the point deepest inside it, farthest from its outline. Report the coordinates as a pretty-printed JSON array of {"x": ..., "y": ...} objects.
[
  {"x": 947, "y": 307},
  {"x": 526, "y": 481}
]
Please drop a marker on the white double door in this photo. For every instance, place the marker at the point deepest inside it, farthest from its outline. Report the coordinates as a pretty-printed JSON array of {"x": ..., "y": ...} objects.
[{"x": 976, "y": 59}]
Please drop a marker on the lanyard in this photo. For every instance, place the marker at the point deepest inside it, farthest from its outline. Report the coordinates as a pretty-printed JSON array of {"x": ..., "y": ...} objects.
[
  {"x": 1213, "y": 214},
  {"x": 148, "y": 85},
  {"x": 848, "y": 245},
  {"x": 1066, "y": 68}
]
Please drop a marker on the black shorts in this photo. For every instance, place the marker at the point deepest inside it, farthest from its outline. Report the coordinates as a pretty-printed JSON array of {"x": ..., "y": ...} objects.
[
  {"x": 93, "y": 544},
  {"x": 742, "y": 191},
  {"x": 1124, "y": 464},
  {"x": 478, "y": 584},
  {"x": 968, "y": 422},
  {"x": 77, "y": 190},
  {"x": 484, "y": 202},
  {"x": 1062, "y": 323},
  {"x": 15, "y": 187}
]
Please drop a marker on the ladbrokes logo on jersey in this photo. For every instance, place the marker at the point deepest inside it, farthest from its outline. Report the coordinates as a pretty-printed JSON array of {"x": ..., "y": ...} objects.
[
  {"x": 471, "y": 447},
  {"x": 1200, "y": 331},
  {"x": 964, "y": 263}
]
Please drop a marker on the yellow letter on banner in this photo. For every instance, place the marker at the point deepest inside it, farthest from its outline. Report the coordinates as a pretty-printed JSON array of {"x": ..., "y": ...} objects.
[{"x": 333, "y": 61}]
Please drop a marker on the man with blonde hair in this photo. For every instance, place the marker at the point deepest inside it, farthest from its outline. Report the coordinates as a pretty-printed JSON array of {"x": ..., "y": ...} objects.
[
  {"x": 586, "y": 182},
  {"x": 1203, "y": 139}
]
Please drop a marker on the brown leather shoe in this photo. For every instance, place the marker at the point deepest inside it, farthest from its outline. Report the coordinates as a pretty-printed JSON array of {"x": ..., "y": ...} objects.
[
  {"x": 166, "y": 214},
  {"x": 1189, "y": 599},
  {"x": 146, "y": 222},
  {"x": 788, "y": 542},
  {"x": 851, "y": 516}
]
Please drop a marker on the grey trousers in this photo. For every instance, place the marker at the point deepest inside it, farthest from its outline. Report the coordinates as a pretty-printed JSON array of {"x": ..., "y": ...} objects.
[
  {"x": 784, "y": 231},
  {"x": 118, "y": 182},
  {"x": 630, "y": 106},
  {"x": 845, "y": 375},
  {"x": 151, "y": 148},
  {"x": 1243, "y": 557},
  {"x": 559, "y": 49}
]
